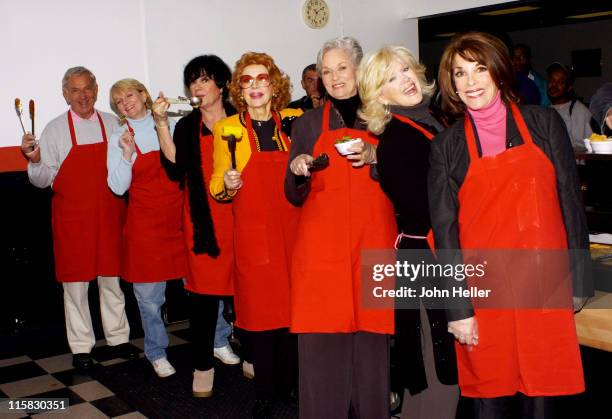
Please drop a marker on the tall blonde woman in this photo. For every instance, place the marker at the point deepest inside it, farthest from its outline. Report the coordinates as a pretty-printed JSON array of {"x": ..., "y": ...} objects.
[
  {"x": 153, "y": 246},
  {"x": 397, "y": 108},
  {"x": 264, "y": 222}
]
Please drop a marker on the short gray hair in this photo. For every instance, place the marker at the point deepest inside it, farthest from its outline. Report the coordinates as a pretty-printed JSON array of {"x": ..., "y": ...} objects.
[
  {"x": 346, "y": 43},
  {"x": 76, "y": 71}
]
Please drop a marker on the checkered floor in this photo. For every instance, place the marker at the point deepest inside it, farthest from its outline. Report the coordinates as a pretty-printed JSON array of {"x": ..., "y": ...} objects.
[
  {"x": 45, "y": 374},
  {"x": 53, "y": 376}
]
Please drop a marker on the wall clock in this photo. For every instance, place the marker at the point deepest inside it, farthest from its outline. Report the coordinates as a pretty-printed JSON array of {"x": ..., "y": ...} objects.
[{"x": 315, "y": 13}]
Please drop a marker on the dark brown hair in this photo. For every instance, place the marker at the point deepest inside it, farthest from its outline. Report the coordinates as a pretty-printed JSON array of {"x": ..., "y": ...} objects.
[
  {"x": 281, "y": 86},
  {"x": 484, "y": 49}
]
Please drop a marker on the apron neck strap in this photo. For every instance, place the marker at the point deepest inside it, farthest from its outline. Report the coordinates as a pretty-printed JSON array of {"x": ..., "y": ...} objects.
[
  {"x": 520, "y": 123},
  {"x": 284, "y": 140},
  {"x": 410, "y": 122},
  {"x": 518, "y": 119},
  {"x": 326, "y": 110},
  {"x": 73, "y": 133},
  {"x": 131, "y": 130}
]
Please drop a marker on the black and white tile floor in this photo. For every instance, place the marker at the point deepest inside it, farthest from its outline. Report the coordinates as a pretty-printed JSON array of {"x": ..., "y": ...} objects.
[{"x": 41, "y": 375}]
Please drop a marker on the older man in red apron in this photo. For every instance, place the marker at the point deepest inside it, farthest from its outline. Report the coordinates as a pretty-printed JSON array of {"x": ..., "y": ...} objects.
[{"x": 87, "y": 218}]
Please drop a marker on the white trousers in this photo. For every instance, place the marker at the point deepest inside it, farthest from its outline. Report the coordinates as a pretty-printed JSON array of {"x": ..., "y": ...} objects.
[{"x": 79, "y": 328}]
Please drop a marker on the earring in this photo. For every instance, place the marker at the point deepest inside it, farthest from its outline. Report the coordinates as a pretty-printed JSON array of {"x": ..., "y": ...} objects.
[
  {"x": 387, "y": 109},
  {"x": 274, "y": 95}
]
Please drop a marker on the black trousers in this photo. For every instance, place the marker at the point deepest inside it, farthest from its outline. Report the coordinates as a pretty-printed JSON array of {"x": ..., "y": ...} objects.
[
  {"x": 517, "y": 406},
  {"x": 203, "y": 311},
  {"x": 344, "y": 375},
  {"x": 274, "y": 362}
]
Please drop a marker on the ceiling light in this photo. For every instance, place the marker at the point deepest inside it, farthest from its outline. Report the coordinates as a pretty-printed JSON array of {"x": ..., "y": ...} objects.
[
  {"x": 589, "y": 15},
  {"x": 510, "y": 11},
  {"x": 445, "y": 35}
]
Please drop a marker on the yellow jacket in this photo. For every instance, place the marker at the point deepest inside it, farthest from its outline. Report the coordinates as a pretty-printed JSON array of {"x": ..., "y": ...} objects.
[{"x": 221, "y": 155}]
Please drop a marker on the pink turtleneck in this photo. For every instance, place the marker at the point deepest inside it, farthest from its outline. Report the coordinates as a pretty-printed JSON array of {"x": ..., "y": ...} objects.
[{"x": 491, "y": 126}]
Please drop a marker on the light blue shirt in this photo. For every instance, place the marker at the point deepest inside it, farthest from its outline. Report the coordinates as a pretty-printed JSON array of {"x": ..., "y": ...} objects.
[{"x": 145, "y": 136}]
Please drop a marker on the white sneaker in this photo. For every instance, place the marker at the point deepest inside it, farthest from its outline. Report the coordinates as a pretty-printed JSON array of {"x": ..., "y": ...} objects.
[
  {"x": 226, "y": 355},
  {"x": 163, "y": 368}
]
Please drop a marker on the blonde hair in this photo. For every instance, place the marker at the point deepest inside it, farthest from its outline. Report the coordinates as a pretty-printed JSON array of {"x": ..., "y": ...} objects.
[
  {"x": 279, "y": 81},
  {"x": 123, "y": 85},
  {"x": 372, "y": 75}
]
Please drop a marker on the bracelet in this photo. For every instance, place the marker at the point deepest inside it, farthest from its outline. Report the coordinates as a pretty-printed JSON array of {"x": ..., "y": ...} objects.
[{"x": 161, "y": 125}]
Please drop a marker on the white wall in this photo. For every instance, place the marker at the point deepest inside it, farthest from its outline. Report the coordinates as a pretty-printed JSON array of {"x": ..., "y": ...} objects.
[
  {"x": 272, "y": 26},
  {"x": 41, "y": 39},
  {"x": 152, "y": 40}
]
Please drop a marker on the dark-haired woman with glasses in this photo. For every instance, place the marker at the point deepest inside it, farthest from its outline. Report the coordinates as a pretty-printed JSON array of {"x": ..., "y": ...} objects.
[
  {"x": 264, "y": 222},
  {"x": 207, "y": 224}
]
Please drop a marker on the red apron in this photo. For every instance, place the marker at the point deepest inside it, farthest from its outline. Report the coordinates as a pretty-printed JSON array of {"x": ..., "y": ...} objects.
[
  {"x": 87, "y": 217},
  {"x": 205, "y": 274},
  {"x": 510, "y": 201},
  {"x": 153, "y": 244},
  {"x": 345, "y": 212},
  {"x": 264, "y": 233}
]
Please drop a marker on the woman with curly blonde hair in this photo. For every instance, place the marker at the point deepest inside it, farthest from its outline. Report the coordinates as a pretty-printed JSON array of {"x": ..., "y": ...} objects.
[
  {"x": 264, "y": 222},
  {"x": 153, "y": 250},
  {"x": 396, "y": 106}
]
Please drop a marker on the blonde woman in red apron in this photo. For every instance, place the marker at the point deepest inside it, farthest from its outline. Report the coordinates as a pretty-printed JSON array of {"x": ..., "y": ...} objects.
[
  {"x": 343, "y": 346},
  {"x": 264, "y": 222},
  {"x": 398, "y": 110},
  {"x": 153, "y": 250},
  {"x": 504, "y": 177}
]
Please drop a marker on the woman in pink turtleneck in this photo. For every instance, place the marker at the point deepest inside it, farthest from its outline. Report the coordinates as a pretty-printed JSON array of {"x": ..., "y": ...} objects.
[{"x": 503, "y": 177}]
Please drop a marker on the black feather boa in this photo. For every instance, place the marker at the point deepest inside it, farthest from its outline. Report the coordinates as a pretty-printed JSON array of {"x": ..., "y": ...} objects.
[{"x": 189, "y": 162}]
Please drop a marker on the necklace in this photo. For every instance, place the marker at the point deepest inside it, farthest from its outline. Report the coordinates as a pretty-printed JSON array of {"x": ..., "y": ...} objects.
[{"x": 246, "y": 120}]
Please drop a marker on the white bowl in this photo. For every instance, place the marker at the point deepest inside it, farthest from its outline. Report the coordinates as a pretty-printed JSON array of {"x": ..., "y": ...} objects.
[
  {"x": 343, "y": 147},
  {"x": 599, "y": 147}
]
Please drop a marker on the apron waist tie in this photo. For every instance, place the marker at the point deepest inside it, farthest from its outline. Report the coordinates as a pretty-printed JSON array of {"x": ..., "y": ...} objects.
[{"x": 400, "y": 236}]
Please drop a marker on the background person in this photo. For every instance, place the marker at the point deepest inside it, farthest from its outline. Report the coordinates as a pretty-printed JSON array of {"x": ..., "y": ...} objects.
[
  {"x": 601, "y": 109},
  {"x": 521, "y": 61},
  {"x": 311, "y": 83},
  {"x": 153, "y": 251},
  {"x": 87, "y": 218},
  {"x": 396, "y": 108},
  {"x": 575, "y": 115},
  {"x": 342, "y": 345},
  {"x": 207, "y": 224},
  {"x": 505, "y": 178},
  {"x": 264, "y": 222}
]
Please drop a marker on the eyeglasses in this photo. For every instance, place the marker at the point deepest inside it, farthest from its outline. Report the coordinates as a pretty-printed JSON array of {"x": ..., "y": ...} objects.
[{"x": 246, "y": 81}]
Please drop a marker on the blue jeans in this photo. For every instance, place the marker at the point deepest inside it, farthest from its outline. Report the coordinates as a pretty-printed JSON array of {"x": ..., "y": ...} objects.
[
  {"x": 150, "y": 297},
  {"x": 223, "y": 329}
]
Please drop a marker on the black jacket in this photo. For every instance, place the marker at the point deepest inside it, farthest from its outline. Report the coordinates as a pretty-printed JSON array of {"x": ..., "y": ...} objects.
[
  {"x": 449, "y": 161},
  {"x": 403, "y": 163}
]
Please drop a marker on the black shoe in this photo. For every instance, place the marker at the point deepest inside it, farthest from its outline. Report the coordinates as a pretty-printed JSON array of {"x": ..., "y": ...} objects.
[
  {"x": 262, "y": 409},
  {"x": 125, "y": 351},
  {"x": 82, "y": 362}
]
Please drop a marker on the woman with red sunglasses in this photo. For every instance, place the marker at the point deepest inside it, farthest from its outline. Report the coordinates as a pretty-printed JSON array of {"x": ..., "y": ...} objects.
[{"x": 264, "y": 222}]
